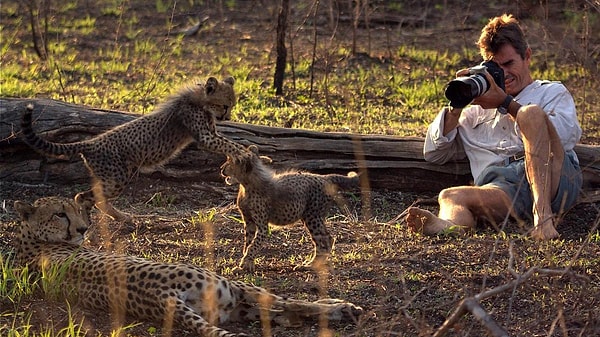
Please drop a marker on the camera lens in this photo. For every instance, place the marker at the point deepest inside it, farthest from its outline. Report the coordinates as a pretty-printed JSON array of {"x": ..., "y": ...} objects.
[{"x": 462, "y": 90}]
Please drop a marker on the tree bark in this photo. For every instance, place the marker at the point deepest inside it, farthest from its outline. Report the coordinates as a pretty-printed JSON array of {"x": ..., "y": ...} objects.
[
  {"x": 389, "y": 162},
  {"x": 281, "y": 49}
]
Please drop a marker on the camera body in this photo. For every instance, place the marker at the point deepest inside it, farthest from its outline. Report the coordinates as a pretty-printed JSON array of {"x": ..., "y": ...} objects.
[{"x": 463, "y": 90}]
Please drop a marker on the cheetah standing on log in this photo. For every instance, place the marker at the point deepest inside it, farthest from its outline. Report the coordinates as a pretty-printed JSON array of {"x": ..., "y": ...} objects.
[
  {"x": 266, "y": 196},
  {"x": 194, "y": 298},
  {"x": 115, "y": 156}
]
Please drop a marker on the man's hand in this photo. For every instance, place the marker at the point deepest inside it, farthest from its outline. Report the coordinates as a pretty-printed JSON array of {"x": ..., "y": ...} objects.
[
  {"x": 462, "y": 73},
  {"x": 494, "y": 97}
]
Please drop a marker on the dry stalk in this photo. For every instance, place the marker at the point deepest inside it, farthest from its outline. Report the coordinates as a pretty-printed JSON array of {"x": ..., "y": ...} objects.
[{"x": 471, "y": 304}]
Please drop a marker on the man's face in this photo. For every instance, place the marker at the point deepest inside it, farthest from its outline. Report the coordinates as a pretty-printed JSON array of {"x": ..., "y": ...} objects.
[{"x": 516, "y": 70}]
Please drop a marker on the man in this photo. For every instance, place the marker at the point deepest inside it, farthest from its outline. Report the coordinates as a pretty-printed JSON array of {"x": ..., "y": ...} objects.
[{"x": 519, "y": 143}]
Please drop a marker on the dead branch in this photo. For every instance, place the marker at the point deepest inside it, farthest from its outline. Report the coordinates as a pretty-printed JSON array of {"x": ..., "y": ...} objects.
[
  {"x": 388, "y": 162},
  {"x": 193, "y": 30},
  {"x": 472, "y": 304}
]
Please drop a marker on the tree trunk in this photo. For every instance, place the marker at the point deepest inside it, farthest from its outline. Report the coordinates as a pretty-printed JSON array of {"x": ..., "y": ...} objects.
[
  {"x": 281, "y": 49},
  {"x": 389, "y": 162}
]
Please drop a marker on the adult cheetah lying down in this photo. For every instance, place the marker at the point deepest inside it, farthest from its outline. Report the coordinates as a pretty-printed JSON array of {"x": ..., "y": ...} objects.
[
  {"x": 195, "y": 298},
  {"x": 266, "y": 196},
  {"x": 116, "y": 155}
]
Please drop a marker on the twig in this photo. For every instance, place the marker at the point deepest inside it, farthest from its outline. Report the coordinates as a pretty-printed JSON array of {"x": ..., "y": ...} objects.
[
  {"x": 191, "y": 31},
  {"x": 471, "y": 304}
]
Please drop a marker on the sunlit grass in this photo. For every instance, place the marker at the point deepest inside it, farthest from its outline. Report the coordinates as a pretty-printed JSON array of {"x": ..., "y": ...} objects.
[
  {"x": 83, "y": 26},
  {"x": 202, "y": 217},
  {"x": 364, "y": 103},
  {"x": 397, "y": 98},
  {"x": 162, "y": 200},
  {"x": 15, "y": 282},
  {"x": 18, "y": 284},
  {"x": 19, "y": 324}
]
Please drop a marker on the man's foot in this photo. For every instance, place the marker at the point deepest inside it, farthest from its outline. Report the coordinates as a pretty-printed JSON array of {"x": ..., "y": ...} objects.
[
  {"x": 424, "y": 222},
  {"x": 545, "y": 230}
]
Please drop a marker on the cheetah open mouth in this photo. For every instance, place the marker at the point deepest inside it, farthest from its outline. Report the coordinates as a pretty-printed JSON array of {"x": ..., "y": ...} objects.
[{"x": 230, "y": 180}]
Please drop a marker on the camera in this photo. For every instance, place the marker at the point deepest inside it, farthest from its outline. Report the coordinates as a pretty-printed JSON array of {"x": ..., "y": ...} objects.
[{"x": 462, "y": 90}]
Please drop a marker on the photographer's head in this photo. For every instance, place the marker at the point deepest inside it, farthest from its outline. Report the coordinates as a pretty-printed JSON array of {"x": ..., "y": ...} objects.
[
  {"x": 502, "y": 40},
  {"x": 499, "y": 31}
]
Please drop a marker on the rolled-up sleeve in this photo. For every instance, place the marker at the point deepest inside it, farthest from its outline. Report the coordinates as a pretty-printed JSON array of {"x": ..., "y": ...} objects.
[
  {"x": 563, "y": 115},
  {"x": 440, "y": 149}
]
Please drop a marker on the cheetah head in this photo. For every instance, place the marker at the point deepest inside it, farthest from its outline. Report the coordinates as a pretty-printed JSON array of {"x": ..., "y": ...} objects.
[
  {"x": 218, "y": 96},
  {"x": 54, "y": 220},
  {"x": 237, "y": 169}
]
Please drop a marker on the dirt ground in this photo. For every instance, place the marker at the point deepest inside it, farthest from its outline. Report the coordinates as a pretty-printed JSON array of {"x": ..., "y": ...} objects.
[{"x": 408, "y": 284}]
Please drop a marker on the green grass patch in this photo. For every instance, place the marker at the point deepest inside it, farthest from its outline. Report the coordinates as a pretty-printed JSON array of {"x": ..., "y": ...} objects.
[{"x": 133, "y": 69}]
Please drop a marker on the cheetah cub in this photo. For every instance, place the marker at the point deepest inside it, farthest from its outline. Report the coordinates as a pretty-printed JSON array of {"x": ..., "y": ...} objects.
[
  {"x": 116, "y": 155},
  {"x": 268, "y": 197},
  {"x": 171, "y": 294}
]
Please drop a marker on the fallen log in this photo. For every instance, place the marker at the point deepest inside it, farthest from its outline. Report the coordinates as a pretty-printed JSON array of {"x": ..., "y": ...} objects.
[{"x": 389, "y": 162}]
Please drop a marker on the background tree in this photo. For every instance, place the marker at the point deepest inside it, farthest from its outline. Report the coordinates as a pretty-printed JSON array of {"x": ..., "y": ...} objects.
[
  {"x": 38, "y": 35},
  {"x": 280, "y": 63}
]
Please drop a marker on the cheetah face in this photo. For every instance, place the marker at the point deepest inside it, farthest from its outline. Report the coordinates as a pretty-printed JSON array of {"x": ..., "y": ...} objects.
[
  {"x": 54, "y": 220},
  {"x": 220, "y": 96},
  {"x": 235, "y": 169},
  {"x": 228, "y": 171}
]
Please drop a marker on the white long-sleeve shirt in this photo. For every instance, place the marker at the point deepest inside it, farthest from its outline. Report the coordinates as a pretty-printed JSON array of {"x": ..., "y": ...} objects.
[{"x": 487, "y": 137}]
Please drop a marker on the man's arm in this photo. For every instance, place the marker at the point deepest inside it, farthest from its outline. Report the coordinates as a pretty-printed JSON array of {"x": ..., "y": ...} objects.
[
  {"x": 560, "y": 108},
  {"x": 451, "y": 119},
  {"x": 442, "y": 143},
  {"x": 563, "y": 114}
]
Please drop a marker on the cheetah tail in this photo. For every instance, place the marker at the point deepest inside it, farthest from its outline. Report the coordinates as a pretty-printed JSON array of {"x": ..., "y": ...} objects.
[
  {"x": 347, "y": 182},
  {"x": 41, "y": 145}
]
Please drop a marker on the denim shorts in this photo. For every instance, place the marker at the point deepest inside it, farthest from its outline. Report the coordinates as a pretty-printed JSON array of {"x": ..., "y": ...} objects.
[{"x": 513, "y": 181}]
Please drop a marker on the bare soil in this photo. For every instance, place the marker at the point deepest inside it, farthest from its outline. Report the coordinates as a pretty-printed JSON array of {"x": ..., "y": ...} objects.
[{"x": 408, "y": 284}]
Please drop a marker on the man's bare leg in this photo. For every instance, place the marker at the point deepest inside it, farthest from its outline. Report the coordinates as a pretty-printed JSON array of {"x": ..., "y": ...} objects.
[
  {"x": 460, "y": 206},
  {"x": 544, "y": 156}
]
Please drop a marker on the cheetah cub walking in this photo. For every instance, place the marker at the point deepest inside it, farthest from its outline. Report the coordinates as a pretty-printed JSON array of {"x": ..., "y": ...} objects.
[
  {"x": 266, "y": 196},
  {"x": 192, "y": 297},
  {"x": 116, "y": 155}
]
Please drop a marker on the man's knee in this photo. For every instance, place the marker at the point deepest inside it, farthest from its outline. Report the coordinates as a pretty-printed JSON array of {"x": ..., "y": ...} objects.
[
  {"x": 474, "y": 196},
  {"x": 531, "y": 117},
  {"x": 452, "y": 195}
]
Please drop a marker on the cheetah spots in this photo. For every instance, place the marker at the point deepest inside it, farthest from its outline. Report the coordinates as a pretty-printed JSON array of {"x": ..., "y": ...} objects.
[
  {"x": 268, "y": 197},
  {"x": 115, "y": 156},
  {"x": 183, "y": 294}
]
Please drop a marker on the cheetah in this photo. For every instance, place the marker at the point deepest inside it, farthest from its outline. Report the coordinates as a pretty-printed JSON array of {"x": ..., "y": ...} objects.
[
  {"x": 116, "y": 155},
  {"x": 174, "y": 294},
  {"x": 266, "y": 196}
]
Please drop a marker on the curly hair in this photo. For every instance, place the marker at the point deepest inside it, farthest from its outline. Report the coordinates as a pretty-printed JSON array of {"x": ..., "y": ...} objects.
[{"x": 501, "y": 30}]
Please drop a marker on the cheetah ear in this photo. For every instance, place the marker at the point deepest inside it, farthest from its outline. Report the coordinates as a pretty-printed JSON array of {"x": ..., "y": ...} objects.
[
  {"x": 211, "y": 85},
  {"x": 86, "y": 204},
  {"x": 266, "y": 160},
  {"x": 24, "y": 209},
  {"x": 229, "y": 80},
  {"x": 253, "y": 148}
]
